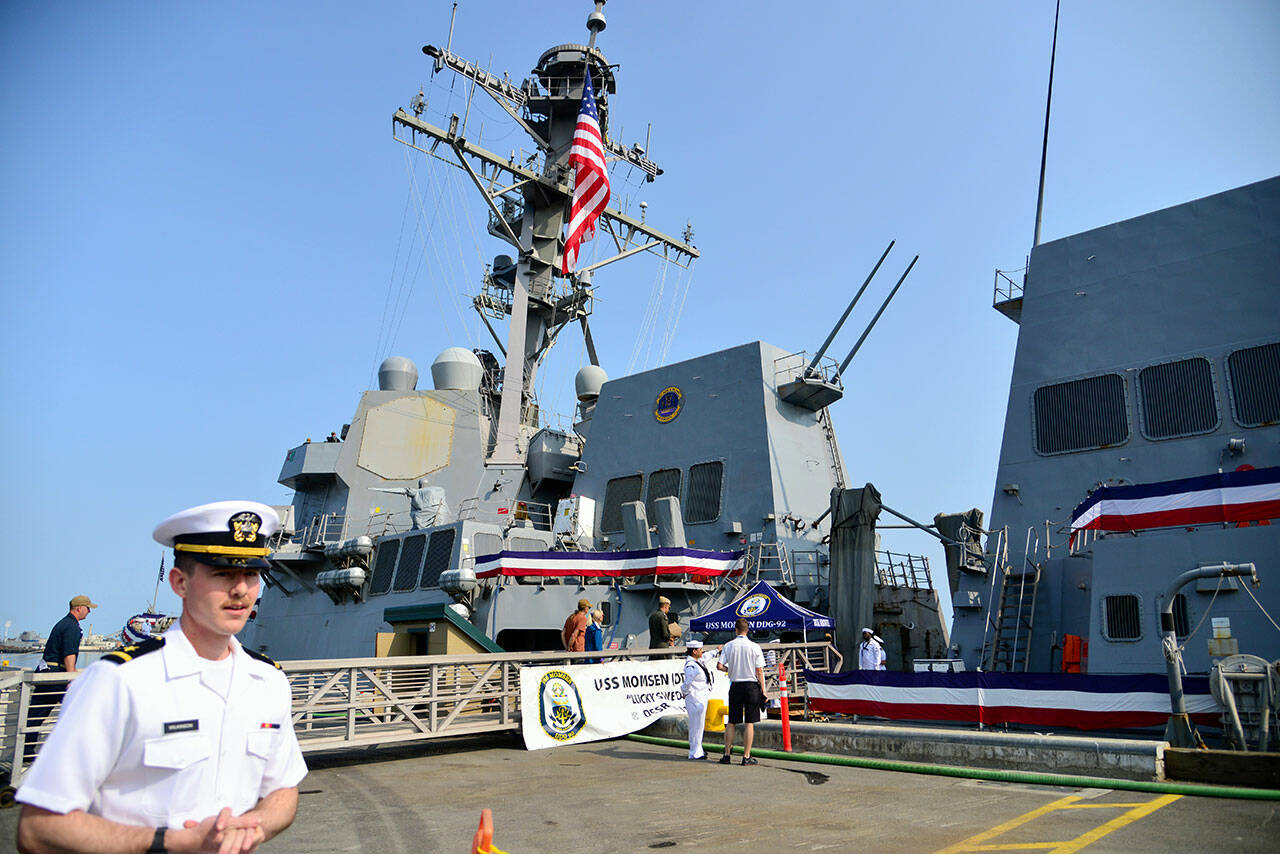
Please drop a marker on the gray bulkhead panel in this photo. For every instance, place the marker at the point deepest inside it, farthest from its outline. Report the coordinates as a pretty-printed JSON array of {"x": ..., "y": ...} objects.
[
  {"x": 775, "y": 455},
  {"x": 1122, "y": 563},
  {"x": 1195, "y": 280},
  {"x": 395, "y": 437}
]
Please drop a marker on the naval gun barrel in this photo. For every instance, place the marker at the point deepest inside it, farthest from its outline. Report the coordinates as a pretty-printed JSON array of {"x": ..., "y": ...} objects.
[
  {"x": 808, "y": 372},
  {"x": 1178, "y": 731},
  {"x": 883, "y": 306}
]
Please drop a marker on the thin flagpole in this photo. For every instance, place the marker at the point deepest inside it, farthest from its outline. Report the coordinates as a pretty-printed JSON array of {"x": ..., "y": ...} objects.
[
  {"x": 156, "y": 594},
  {"x": 1048, "y": 102}
]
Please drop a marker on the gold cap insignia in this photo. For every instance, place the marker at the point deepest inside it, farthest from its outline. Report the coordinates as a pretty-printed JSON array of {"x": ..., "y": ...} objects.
[{"x": 244, "y": 526}]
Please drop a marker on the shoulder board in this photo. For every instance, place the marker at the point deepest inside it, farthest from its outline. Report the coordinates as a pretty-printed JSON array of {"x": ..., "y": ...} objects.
[
  {"x": 128, "y": 653},
  {"x": 252, "y": 653}
]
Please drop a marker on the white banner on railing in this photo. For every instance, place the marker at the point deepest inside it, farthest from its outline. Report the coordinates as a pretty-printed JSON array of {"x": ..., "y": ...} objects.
[{"x": 590, "y": 702}]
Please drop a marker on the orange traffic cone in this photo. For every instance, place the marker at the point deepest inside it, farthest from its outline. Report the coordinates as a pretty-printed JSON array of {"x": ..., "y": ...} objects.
[{"x": 482, "y": 842}]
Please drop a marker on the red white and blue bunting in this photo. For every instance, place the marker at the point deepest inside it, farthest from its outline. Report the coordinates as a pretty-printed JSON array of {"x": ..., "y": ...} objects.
[
  {"x": 1052, "y": 700},
  {"x": 1228, "y": 497},
  {"x": 697, "y": 563}
]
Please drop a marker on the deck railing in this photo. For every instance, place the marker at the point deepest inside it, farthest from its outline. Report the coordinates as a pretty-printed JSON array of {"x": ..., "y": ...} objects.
[{"x": 350, "y": 702}]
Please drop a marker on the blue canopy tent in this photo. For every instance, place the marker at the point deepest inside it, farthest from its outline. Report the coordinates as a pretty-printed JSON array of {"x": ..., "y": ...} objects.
[{"x": 765, "y": 609}]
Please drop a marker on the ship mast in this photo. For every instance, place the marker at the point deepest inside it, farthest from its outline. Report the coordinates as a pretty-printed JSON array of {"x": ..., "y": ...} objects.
[{"x": 528, "y": 201}]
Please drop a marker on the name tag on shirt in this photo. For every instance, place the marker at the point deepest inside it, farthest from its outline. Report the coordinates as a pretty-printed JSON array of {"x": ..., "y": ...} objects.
[{"x": 181, "y": 726}]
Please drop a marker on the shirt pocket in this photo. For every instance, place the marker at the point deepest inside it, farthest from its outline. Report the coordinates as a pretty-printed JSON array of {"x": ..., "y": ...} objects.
[
  {"x": 174, "y": 766},
  {"x": 261, "y": 743}
]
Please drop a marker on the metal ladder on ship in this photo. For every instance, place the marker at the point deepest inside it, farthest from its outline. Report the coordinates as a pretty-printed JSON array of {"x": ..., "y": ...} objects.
[
  {"x": 828, "y": 432},
  {"x": 1015, "y": 617},
  {"x": 765, "y": 559}
]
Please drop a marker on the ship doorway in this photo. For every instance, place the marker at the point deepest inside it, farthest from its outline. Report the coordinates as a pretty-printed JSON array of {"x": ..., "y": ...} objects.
[{"x": 530, "y": 640}]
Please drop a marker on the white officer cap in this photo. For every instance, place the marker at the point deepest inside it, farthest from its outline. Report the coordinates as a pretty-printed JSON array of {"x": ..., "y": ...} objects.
[{"x": 224, "y": 533}]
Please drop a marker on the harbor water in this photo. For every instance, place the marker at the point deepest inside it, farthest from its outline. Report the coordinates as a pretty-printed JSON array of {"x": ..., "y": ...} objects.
[{"x": 28, "y": 660}]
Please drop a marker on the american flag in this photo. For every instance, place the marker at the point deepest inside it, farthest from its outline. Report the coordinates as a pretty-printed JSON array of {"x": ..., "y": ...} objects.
[{"x": 590, "y": 177}]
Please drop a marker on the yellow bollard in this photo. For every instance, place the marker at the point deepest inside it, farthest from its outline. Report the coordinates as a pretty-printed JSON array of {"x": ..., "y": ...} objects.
[{"x": 716, "y": 713}]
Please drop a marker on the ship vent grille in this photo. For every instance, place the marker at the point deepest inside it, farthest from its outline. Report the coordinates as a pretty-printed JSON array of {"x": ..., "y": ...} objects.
[
  {"x": 619, "y": 491},
  {"x": 664, "y": 483},
  {"x": 410, "y": 562},
  {"x": 439, "y": 551},
  {"x": 526, "y": 544},
  {"x": 706, "y": 482},
  {"x": 1178, "y": 399},
  {"x": 1081, "y": 415},
  {"x": 1122, "y": 617},
  {"x": 486, "y": 544},
  {"x": 1254, "y": 374},
  {"x": 388, "y": 551}
]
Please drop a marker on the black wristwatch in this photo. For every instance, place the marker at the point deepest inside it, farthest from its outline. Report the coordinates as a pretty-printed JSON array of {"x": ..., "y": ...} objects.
[{"x": 157, "y": 842}]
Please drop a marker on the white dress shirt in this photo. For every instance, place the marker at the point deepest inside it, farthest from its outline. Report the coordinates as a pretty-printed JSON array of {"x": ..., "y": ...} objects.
[
  {"x": 742, "y": 656},
  {"x": 166, "y": 737}
]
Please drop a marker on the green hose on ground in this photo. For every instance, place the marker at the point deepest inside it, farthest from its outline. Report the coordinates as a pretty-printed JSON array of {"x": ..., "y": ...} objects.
[{"x": 1197, "y": 789}]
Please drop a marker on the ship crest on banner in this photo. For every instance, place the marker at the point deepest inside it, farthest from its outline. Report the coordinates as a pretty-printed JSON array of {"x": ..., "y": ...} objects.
[{"x": 560, "y": 706}]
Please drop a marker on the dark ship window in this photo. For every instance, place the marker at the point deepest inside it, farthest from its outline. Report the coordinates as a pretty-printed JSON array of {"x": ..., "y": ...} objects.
[
  {"x": 1181, "y": 620},
  {"x": 487, "y": 544},
  {"x": 664, "y": 483},
  {"x": 388, "y": 551},
  {"x": 1178, "y": 399},
  {"x": 1081, "y": 415},
  {"x": 439, "y": 551},
  {"x": 410, "y": 562},
  {"x": 1123, "y": 621},
  {"x": 619, "y": 491},
  {"x": 1254, "y": 376},
  {"x": 702, "y": 504}
]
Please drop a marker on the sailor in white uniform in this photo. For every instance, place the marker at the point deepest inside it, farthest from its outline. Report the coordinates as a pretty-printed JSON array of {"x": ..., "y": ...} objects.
[
  {"x": 696, "y": 688},
  {"x": 870, "y": 652},
  {"x": 183, "y": 742}
]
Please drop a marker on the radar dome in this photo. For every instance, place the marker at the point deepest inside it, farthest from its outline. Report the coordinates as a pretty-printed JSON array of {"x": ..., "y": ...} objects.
[
  {"x": 456, "y": 368},
  {"x": 397, "y": 374},
  {"x": 589, "y": 381}
]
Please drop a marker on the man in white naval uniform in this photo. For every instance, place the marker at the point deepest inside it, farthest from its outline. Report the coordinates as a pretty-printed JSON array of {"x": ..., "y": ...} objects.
[
  {"x": 870, "y": 653},
  {"x": 696, "y": 688},
  {"x": 181, "y": 743}
]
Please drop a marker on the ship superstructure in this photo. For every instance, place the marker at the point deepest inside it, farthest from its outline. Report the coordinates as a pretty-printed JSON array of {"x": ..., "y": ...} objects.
[
  {"x": 1148, "y": 352},
  {"x": 727, "y": 458}
]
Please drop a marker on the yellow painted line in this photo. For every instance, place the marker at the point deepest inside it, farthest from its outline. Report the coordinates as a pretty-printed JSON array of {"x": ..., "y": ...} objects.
[
  {"x": 973, "y": 842},
  {"x": 1134, "y": 812},
  {"x": 1014, "y": 846},
  {"x": 1116, "y": 823},
  {"x": 1101, "y": 806}
]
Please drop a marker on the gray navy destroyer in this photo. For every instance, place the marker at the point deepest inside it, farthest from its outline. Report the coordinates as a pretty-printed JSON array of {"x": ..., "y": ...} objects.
[
  {"x": 691, "y": 481},
  {"x": 1148, "y": 354}
]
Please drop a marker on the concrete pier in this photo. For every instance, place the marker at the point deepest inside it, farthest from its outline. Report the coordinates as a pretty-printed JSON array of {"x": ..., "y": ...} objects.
[{"x": 1114, "y": 758}]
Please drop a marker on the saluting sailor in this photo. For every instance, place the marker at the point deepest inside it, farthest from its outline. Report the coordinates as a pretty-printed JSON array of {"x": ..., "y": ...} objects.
[
  {"x": 184, "y": 742},
  {"x": 696, "y": 688}
]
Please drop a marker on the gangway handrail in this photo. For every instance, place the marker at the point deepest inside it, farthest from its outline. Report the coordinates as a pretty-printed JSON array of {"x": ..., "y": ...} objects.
[{"x": 347, "y": 702}]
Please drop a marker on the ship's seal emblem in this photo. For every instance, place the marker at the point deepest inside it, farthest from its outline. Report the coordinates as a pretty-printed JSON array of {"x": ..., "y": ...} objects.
[
  {"x": 668, "y": 404},
  {"x": 560, "y": 706},
  {"x": 244, "y": 527},
  {"x": 753, "y": 606}
]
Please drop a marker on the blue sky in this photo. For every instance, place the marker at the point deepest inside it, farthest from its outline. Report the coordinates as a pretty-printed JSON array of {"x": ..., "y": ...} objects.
[{"x": 204, "y": 247}]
